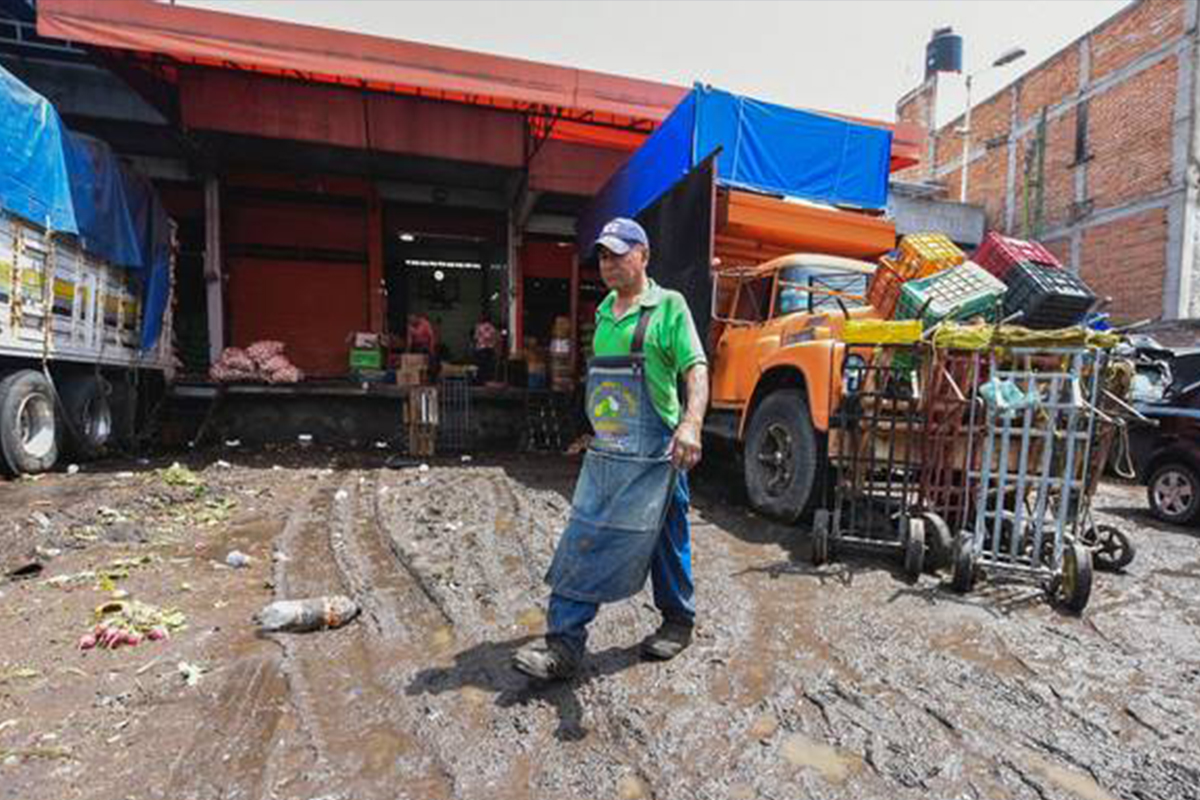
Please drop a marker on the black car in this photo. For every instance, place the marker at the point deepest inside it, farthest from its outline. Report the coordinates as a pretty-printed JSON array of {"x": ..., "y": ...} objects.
[{"x": 1167, "y": 455}]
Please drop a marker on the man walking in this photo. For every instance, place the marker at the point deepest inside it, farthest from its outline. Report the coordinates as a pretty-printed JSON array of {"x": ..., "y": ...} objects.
[{"x": 629, "y": 513}]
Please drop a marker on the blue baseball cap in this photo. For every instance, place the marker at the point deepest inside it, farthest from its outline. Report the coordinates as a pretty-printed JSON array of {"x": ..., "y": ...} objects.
[{"x": 620, "y": 234}]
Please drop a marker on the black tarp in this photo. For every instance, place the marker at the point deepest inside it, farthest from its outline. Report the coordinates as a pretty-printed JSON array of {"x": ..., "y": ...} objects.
[{"x": 680, "y": 227}]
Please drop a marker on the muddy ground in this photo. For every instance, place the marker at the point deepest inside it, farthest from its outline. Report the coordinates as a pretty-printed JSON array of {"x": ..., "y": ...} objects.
[{"x": 839, "y": 682}]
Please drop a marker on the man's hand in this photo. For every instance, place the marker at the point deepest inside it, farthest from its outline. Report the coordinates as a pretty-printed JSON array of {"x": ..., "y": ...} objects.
[
  {"x": 685, "y": 447},
  {"x": 684, "y": 450}
]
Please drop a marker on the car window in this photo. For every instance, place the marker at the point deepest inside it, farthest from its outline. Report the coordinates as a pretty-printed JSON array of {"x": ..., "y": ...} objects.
[{"x": 806, "y": 288}]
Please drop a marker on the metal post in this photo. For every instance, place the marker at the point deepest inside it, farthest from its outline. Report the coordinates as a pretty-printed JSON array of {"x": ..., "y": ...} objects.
[
  {"x": 966, "y": 148},
  {"x": 213, "y": 277}
]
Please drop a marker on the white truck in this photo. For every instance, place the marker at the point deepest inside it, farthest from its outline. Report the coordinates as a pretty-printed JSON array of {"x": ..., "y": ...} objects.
[{"x": 70, "y": 355}]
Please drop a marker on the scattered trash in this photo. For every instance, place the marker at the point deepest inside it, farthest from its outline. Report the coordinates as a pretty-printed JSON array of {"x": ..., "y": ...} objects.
[
  {"x": 7, "y": 753},
  {"x": 109, "y": 515},
  {"x": 179, "y": 475},
  {"x": 223, "y": 464},
  {"x": 423, "y": 468},
  {"x": 143, "y": 462},
  {"x": 233, "y": 443},
  {"x": 19, "y": 673},
  {"x": 237, "y": 559},
  {"x": 48, "y": 552},
  {"x": 280, "y": 557},
  {"x": 341, "y": 495},
  {"x": 72, "y": 469},
  {"x": 185, "y": 587},
  {"x": 381, "y": 445},
  {"x": 305, "y": 439},
  {"x": 8, "y": 723},
  {"x": 26, "y": 571},
  {"x": 466, "y": 459},
  {"x": 299, "y": 616},
  {"x": 191, "y": 672},
  {"x": 276, "y": 468},
  {"x": 41, "y": 520},
  {"x": 124, "y": 476},
  {"x": 122, "y": 622},
  {"x": 115, "y": 570}
]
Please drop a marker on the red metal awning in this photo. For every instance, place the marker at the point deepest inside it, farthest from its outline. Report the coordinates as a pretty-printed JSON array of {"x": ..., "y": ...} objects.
[{"x": 590, "y": 107}]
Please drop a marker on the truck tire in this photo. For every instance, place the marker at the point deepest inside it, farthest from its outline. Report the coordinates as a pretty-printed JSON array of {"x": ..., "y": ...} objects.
[
  {"x": 780, "y": 459},
  {"x": 85, "y": 403},
  {"x": 28, "y": 424}
]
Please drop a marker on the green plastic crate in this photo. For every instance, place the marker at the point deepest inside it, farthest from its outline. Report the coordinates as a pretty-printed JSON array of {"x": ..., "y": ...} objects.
[
  {"x": 366, "y": 358},
  {"x": 959, "y": 293}
]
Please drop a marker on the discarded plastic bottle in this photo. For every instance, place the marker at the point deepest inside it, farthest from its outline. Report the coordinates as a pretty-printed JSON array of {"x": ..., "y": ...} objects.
[{"x": 314, "y": 614}]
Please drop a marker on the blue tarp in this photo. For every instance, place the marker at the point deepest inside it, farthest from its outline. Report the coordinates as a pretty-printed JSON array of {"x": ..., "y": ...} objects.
[
  {"x": 764, "y": 148},
  {"x": 73, "y": 184}
]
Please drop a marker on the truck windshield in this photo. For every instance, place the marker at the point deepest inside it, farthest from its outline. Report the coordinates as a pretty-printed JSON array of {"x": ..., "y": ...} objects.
[{"x": 807, "y": 288}]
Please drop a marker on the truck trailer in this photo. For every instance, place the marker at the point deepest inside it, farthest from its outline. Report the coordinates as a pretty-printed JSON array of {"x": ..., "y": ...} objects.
[{"x": 86, "y": 266}]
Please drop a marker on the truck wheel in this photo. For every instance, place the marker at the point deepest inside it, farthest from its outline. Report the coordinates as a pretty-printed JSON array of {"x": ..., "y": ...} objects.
[
  {"x": 85, "y": 403},
  {"x": 28, "y": 427},
  {"x": 1174, "y": 493},
  {"x": 962, "y": 578},
  {"x": 781, "y": 455}
]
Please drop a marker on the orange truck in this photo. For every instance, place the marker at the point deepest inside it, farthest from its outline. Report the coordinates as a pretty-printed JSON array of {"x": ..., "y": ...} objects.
[{"x": 785, "y": 277}]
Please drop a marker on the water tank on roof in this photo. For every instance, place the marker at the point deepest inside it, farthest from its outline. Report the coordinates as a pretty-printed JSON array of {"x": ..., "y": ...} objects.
[{"x": 944, "y": 52}]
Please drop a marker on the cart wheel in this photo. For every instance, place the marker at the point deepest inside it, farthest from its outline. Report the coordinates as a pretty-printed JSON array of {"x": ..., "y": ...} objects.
[
  {"x": 1111, "y": 549},
  {"x": 962, "y": 579},
  {"x": 1075, "y": 583},
  {"x": 820, "y": 537},
  {"x": 914, "y": 549},
  {"x": 940, "y": 542}
]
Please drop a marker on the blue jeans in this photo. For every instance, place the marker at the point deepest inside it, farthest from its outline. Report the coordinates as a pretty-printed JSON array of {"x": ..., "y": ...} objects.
[{"x": 670, "y": 575}]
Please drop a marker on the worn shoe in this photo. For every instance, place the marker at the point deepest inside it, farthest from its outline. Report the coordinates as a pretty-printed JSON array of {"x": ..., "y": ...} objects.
[
  {"x": 671, "y": 639},
  {"x": 546, "y": 660}
]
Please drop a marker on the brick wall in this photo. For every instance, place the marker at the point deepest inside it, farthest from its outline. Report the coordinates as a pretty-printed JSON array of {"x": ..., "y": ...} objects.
[
  {"x": 1134, "y": 33},
  {"x": 1126, "y": 260},
  {"x": 1127, "y": 95},
  {"x": 1130, "y": 133},
  {"x": 915, "y": 108}
]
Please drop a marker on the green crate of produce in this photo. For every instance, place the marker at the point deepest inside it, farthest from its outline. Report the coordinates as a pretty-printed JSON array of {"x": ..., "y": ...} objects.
[
  {"x": 959, "y": 293},
  {"x": 366, "y": 358}
]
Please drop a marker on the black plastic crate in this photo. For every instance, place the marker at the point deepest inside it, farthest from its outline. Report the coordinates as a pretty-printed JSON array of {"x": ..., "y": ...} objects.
[{"x": 1051, "y": 297}]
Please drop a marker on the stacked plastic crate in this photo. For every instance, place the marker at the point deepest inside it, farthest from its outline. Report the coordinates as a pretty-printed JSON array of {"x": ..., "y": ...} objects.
[
  {"x": 1045, "y": 294},
  {"x": 930, "y": 280}
]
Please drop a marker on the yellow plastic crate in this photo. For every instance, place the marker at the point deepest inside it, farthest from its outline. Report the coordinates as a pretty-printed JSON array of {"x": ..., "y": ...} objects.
[
  {"x": 881, "y": 331},
  {"x": 925, "y": 254}
]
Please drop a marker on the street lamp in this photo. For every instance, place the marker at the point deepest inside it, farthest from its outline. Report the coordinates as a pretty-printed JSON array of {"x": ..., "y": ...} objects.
[{"x": 1007, "y": 57}]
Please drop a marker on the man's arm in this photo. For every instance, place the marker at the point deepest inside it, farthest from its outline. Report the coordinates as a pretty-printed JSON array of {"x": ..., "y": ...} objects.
[{"x": 685, "y": 449}]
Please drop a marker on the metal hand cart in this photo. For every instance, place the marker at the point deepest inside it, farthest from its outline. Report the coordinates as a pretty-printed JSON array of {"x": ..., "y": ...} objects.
[
  {"x": 1028, "y": 468},
  {"x": 875, "y": 455}
]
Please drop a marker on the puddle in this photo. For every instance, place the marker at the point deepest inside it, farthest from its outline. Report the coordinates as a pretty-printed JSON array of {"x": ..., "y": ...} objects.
[
  {"x": 533, "y": 619},
  {"x": 630, "y": 787},
  {"x": 834, "y": 765},
  {"x": 764, "y": 727},
  {"x": 1078, "y": 783}
]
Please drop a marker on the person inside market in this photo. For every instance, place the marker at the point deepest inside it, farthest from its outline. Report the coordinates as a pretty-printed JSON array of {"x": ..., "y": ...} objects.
[
  {"x": 485, "y": 343},
  {"x": 422, "y": 338},
  {"x": 629, "y": 513}
]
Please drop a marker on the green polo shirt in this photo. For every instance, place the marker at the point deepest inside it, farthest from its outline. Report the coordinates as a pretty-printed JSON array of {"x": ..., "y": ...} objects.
[{"x": 672, "y": 345}]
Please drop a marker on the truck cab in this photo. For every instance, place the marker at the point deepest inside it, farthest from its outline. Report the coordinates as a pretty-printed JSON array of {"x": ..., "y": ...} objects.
[{"x": 776, "y": 369}]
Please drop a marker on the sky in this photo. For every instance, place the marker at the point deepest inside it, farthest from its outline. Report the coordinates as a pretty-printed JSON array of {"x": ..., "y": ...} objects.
[{"x": 853, "y": 57}]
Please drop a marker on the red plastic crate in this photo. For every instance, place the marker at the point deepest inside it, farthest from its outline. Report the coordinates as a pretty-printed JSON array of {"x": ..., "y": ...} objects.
[
  {"x": 999, "y": 253},
  {"x": 884, "y": 291}
]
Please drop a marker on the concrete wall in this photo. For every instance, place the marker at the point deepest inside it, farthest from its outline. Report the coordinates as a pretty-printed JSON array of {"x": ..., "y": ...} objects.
[{"x": 1124, "y": 212}]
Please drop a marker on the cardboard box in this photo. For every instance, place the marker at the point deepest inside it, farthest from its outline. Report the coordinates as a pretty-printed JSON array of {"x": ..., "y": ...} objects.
[
  {"x": 414, "y": 361},
  {"x": 417, "y": 376}
]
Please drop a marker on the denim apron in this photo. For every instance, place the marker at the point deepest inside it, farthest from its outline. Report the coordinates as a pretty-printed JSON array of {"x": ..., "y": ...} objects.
[{"x": 624, "y": 490}]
